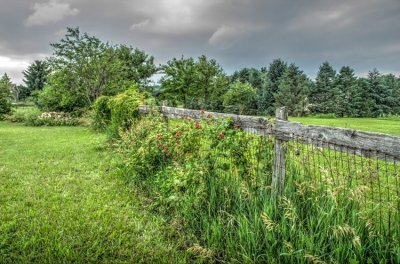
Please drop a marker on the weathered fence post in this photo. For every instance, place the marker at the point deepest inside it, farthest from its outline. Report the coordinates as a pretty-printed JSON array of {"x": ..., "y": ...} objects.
[{"x": 278, "y": 177}]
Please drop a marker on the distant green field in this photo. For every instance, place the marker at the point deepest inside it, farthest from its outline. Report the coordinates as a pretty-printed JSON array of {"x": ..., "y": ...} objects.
[{"x": 381, "y": 125}]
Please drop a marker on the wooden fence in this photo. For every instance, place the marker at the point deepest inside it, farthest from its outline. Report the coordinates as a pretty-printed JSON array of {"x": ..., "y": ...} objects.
[
  {"x": 335, "y": 159},
  {"x": 380, "y": 146}
]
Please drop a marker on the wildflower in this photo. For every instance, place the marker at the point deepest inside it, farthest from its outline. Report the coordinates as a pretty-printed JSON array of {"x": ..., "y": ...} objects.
[
  {"x": 178, "y": 134},
  {"x": 197, "y": 125},
  {"x": 188, "y": 129},
  {"x": 221, "y": 136},
  {"x": 202, "y": 112},
  {"x": 209, "y": 116}
]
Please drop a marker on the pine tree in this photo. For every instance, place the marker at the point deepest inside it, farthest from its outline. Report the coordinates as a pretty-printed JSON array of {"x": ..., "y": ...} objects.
[
  {"x": 350, "y": 95},
  {"x": 292, "y": 91},
  {"x": 275, "y": 71},
  {"x": 325, "y": 96},
  {"x": 379, "y": 93},
  {"x": 5, "y": 94},
  {"x": 35, "y": 76}
]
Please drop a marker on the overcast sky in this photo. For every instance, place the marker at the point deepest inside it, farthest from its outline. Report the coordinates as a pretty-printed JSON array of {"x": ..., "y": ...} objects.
[{"x": 363, "y": 34}]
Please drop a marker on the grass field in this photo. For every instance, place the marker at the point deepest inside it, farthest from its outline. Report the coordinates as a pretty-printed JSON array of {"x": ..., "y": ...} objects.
[
  {"x": 58, "y": 204},
  {"x": 381, "y": 125}
]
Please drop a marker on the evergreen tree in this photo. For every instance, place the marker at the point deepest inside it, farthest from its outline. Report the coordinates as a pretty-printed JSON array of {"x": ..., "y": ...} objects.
[
  {"x": 275, "y": 71},
  {"x": 393, "y": 98},
  {"x": 325, "y": 96},
  {"x": 292, "y": 91},
  {"x": 349, "y": 93},
  {"x": 379, "y": 93},
  {"x": 5, "y": 94},
  {"x": 35, "y": 76}
]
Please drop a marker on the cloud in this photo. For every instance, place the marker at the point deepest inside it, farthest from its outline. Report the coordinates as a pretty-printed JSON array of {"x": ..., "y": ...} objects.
[
  {"x": 52, "y": 11},
  {"x": 225, "y": 36},
  {"x": 140, "y": 25},
  {"x": 13, "y": 67}
]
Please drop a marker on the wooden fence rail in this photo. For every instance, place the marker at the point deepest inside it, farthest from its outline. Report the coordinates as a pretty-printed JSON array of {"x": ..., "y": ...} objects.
[
  {"x": 377, "y": 144},
  {"x": 381, "y": 146}
]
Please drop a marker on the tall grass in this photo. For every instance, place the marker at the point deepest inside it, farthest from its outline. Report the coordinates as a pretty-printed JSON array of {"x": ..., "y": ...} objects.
[{"x": 213, "y": 181}]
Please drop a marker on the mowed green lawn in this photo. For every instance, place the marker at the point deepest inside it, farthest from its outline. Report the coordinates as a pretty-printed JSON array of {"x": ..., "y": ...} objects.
[
  {"x": 60, "y": 203},
  {"x": 387, "y": 126}
]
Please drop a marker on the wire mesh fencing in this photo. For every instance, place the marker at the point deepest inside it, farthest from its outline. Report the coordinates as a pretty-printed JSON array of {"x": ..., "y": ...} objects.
[{"x": 369, "y": 183}]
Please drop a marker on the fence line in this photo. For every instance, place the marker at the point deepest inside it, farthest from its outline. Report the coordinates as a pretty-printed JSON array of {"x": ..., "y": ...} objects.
[
  {"x": 381, "y": 146},
  {"x": 355, "y": 165}
]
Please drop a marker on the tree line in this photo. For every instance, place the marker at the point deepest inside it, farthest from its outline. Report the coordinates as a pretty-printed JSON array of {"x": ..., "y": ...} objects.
[{"x": 82, "y": 68}]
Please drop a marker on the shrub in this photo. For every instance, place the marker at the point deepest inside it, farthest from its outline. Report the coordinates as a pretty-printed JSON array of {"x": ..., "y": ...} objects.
[
  {"x": 24, "y": 114},
  {"x": 239, "y": 98},
  {"x": 124, "y": 108},
  {"x": 102, "y": 113},
  {"x": 32, "y": 116},
  {"x": 213, "y": 181},
  {"x": 5, "y": 99}
]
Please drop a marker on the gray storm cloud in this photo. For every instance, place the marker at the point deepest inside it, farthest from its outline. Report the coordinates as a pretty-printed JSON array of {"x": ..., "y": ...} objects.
[{"x": 249, "y": 33}]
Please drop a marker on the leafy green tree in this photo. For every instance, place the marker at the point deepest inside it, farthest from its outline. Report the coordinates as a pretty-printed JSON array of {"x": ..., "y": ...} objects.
[
  {"x": 256, "y": 78},
  {"x": 206, "y": 72},
  {"x": 35, "y": 76},
  {"x": 325, "y": 95},
  {"x": 5, "y": 94},
  {"x": 292, "y": 91},
  {"x": 194, "y": 84},
  {"x": 239, "y": 97},
  {"x": 84, "y": 68},
  {"x": 139, "y": 66},
  {"x": 178, "y": 80}
]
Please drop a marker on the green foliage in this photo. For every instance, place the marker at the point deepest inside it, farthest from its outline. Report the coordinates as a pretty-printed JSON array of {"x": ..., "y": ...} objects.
[
  {"x": 24, "y": 115},
  {"x": 325, "y": 95},
  {"x": 84, "y": 68},
  {"x": 35, "y": 76},
  {"x": 32, "y": 116},
  {"x": 293, "y": 91},
  {"x": 194, "y": 84},
  {"x": 124, "y": 108},
  {"x": 275, "y": 72},
  {"x": 102, "y": 113},
  {"x": 213, "y": 181},
  {"x": 5, "y": 95},
  {"x": 257, "y": 79},
  {"x": 239, "y": 98}
]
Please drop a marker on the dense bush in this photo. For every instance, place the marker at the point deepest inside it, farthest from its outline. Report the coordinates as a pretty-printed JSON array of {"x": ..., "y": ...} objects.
[
  {"x": 32, "y": 116},
  {"x": 102, "y": 113},
  {"x": 213, "y": 181},
  {"x": 5, "y": 96},
  {"x": 24, "y": 114},
  {"x": 124, "y": 108}
]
